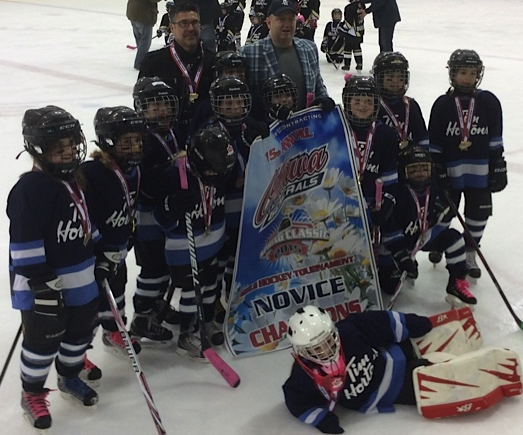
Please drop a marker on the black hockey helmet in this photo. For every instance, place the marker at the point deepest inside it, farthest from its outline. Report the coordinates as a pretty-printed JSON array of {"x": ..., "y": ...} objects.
[
  {"x": 156, "y": 102},
  {"x": 280, "y": 85},
  {"x": 360, "y": 87},
  {"x": 44, "y": 130},
  {"x": 230, "y": 100},
  {"x": 230, "y": 63},
  {"x": 460, "y": 59},
  {"x": 260, "y": 16},
  {"x": 169, "y": 5},
  {"x": 415, "y": 167},
  {"x": 110, "y": 124},
  {"x": 211, "y": 154},
  {"x": 391, "y": 64}
]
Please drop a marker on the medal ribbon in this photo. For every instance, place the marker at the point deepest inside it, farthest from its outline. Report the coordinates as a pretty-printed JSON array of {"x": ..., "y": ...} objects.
[
  {"x": 465, "y": 129},
  {"x": 403, "y": 132},
  {"x": 131, "y": 211},
  {"x": 192, "y": 85},
  {"x": 422, "y": 213},
  {"x": 207, "y": 194},
  {"x": 81, "y": 206},
  {"x": 362, "y": 160},
  {"x": 182, "y": 164}
]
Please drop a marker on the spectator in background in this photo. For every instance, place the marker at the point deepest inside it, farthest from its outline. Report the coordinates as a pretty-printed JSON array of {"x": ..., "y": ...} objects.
[
  {"x": 210, "y": 12},
  {"x": 385, "y": 14},
  {"x": 143, "y": 15}
]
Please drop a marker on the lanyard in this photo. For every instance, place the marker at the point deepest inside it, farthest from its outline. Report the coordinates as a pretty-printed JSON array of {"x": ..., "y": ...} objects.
[
  {"x": 131, "y": 211},
  {"x": 403, "y": 132},
  {"x": 81, "y": 206},
  {"x": 465, "y": 122},
  {"x": 362, "y": 159},
  {"x": 192, "y": 85},
  {"x": 422, "y": 212}
]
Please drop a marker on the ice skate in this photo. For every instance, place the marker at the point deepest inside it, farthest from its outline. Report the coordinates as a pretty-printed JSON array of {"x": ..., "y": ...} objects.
[
  {"x": 145, "y": 328},
  {"x": 435, "y": 257},
  {"x": 190, "y": 345},
  {"x": 114, "y": 343},
  {"x": 36, "y": 409},
  {"x": 214, "y": 331},
  {"x": 77, "y": 390},
  {"x": 473, "y": 269},
  {"x": 91, "y": 373},
  {"x": 171, "y": 316},
  {"x": 458, "y": 294}
]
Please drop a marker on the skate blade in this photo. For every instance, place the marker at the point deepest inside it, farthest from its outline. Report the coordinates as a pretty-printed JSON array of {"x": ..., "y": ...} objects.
[
  {"x": 77, "y": 402},
  {"x": 456, "y": 303},
  {"x": 147, "y": 342},
  {"x": 27, "y": 417}
]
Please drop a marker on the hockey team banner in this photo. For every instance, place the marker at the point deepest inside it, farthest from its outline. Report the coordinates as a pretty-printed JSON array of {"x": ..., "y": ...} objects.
[{"x": 303, "y": 238}]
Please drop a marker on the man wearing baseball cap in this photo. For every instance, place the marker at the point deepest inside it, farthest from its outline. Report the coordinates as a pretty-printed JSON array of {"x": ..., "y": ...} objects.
[{"x": 280, "y": 52}]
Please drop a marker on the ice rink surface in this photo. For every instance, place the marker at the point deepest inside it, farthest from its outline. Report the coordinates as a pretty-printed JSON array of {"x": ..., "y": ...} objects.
[{"x": 73, "y": 54}]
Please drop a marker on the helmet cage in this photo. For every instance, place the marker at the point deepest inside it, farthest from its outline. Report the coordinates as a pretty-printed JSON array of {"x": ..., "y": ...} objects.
[
  {"x": 279, "y": 86},
  {"x": 461, "y": 59},
  {"x": 227, "y": 91},
  {"x": 415, "y": 167},
  {"x": 398, "y": 74},
  {"x": 360, "y": 87}
]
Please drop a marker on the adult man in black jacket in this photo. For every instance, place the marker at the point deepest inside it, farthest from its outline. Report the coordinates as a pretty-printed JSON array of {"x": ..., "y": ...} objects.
[{"x": 385, "y": 14}]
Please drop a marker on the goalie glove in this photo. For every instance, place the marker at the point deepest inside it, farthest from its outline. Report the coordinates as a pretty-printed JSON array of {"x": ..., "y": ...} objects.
[{"x": 47, "y": 293}]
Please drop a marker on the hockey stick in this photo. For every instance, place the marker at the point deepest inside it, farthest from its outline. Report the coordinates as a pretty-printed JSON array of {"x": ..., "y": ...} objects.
[
  {"x": 133, "y": 47},
  {"x": 140, "y": 375},
  {"x": 327, "y": 54},
  {"x": 473, "y": 243},
  {"x": 402, "y": 279},
  {"x": 219, "y": 364},
  {"x": 10, "y": 354}
]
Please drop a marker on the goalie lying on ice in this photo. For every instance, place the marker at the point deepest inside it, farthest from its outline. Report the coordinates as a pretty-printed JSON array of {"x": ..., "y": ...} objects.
[{"x": 372, "y": 360}]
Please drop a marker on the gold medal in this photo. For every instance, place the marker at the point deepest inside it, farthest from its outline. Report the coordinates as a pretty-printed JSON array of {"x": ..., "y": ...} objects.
[
  {"x": 404, "y": 144},
  {"x": 192, "y": 97},
  {"x": 464, "y": 145}
]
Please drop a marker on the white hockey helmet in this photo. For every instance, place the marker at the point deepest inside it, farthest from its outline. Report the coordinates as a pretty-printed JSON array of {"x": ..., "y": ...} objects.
[{"x": 314, "y": 336}]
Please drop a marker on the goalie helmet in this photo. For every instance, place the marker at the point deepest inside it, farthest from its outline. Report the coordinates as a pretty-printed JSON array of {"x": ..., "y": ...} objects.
[
  {"x": 391, "y": 73},
  {"x": 230, "y": 63},
  {"x": 156, "y": 102},
  {"x": 361, "y": 100},
  {"x": 110, "y": 124},
  {"x": 51, "y": 129},
  {"x": 280, "y": 89},
  {"x": 415, "y": 167},
  {"x": 230, "y": 100},
  {"x": 211, "y": 155},
  {"x": 463, "y": 59}
]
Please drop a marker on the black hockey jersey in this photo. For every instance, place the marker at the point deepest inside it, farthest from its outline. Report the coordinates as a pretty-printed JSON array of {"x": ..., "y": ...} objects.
[
  {"x": 375, "y": 366},
  {"x": 331, "y": 33},
  {"x": 353, "y": 25},
  {"x": 256, "y": 33},
  {"x": 260, "y": 6},
  {"x": 226, "y": 29},
  {"x": 393, "y": 113},
  {"x": 47, "y": 237},
  {"x": 466, "y": 158}
]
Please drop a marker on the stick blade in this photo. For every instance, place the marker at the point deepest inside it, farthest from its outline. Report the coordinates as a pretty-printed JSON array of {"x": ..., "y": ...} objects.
[{"x": 223, "y": 368}]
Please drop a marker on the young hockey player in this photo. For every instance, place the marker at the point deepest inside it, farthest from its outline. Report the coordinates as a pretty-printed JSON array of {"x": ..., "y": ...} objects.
[
  {"x": 261, "y": 6},
  {"x": 157, "y": 103},
  {"x": 231, "y": 104},
  {"x": 258, "y": 29},
  {"x": 351, "y": 33},
  {"x": 164, "y": 28},
  {"x": 280, "y": 97},
  {"x": 226, "y": 28},
  {"x": 200, "y": 192},
  {"x": 391, "y": 73},
  {"x": 310, "y": 9},
  {"x": 417, "y": 224},
  {"x": 51, "y": 260},
  {"x": 112, "y": 184},
  {"x": 376, "y": 144},
  {"x": 230, "y": 63},
  {"x": 466, "y": 142},
  {"x": 330, "y": 34},
  {"x": 367, "y": 363}
]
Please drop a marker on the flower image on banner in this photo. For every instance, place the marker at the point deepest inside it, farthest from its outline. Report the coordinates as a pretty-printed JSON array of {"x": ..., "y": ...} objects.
[{"x": 304, "y": 236}]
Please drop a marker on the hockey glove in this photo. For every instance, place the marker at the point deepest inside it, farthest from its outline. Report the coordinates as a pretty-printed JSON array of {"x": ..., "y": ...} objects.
[
  {"x": 498, "y": 175},
  {"x": 442, "y": 179},
  {"x": 172, "y": 209},
  {"x": 47, "y": 296},
  {"x": 323, "y": 47},
  {"x": 379, "y": 217},
  {"x": 327, "y": 104},
  {"x": 280, "y": 112},
  {"x": 330, "y": 424},
  {"x": 106, "y": 265},
  {"x": 406, "y": 264}
]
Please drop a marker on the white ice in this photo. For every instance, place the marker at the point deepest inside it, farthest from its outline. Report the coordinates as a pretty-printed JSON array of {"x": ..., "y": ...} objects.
[{"x": 72, "y": 53}]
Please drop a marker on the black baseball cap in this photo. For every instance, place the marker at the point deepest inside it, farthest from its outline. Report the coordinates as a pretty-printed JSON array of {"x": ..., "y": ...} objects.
[{"x": 278, "y": 6}]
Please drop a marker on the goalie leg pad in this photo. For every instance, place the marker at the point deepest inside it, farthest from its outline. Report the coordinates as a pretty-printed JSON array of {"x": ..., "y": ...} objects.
[
  {"x": 467, "y": 383},
  {"x": 454, "y": 332}
]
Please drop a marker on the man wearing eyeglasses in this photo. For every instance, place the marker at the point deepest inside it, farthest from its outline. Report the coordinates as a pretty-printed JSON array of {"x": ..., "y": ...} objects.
[{"x": 184, "y": 65}]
